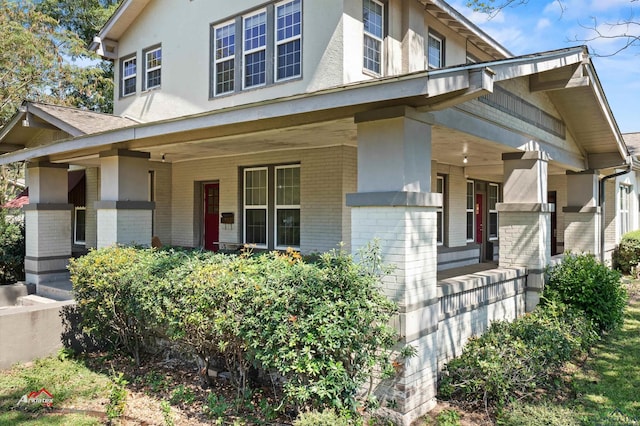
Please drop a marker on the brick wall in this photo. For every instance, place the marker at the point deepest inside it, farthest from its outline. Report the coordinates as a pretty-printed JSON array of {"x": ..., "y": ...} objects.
[{"x": 326, "y": 174}]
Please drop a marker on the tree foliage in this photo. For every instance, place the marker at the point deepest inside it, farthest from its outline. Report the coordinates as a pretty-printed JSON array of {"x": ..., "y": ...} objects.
[{"x": 43, "y": 59}]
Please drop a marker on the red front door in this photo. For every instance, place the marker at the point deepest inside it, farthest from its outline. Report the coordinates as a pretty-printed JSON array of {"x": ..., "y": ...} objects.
[
  {"x": 211, "y": 216},
  {"x": 479, "y": 221}
]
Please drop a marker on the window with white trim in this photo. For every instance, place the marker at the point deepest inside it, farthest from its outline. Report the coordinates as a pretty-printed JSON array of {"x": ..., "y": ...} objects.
[
  {"x": 151, "y": 196},
  {"x": 79, "y": 225},
  {"x": 287, "y": 207},
  {"x": 471, "y": 214},
  {"x": 260, "y": 48},
  {"x": 224, "y": 57},
  {"x": 255, "y": 206},
  {"x": 152, "y": 68},
  {"x": 255, "y": 49},
  {"x": 440, "y": 189},
  {"x": 624, "y": 208},
  {"x": 373, "y": 20},
  {"x": 288, "y": 52},
  {"x": 128, "y": 72},
  {"x": 272, "y": 206},
  {"x": 435, "y": 50},
  {"x": 493, "y": 200}
]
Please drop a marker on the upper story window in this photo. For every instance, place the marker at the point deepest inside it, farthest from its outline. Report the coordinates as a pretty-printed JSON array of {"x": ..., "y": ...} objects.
[
  {"x": 255, "y": 49},
  {"x": 153, "y": 68},
  {"x": 224, "y": 58},
  {"x": 259, "y": 48},
  {"x": 288, "y": 40},
  {"x": 128, "y": 73},
  {"x": 435, "y": 50},
  {"x": 373, "y": 20}
]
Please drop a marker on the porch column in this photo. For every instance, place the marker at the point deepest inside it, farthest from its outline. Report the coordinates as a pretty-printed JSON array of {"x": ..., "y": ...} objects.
[
  {"x": 394, "y": 205},
  {"x": 47, "y": 224},
  {"x": 525, "y": 219},
  {"x": 124, "y": 212},
  {"x": 582, "y": 213}
]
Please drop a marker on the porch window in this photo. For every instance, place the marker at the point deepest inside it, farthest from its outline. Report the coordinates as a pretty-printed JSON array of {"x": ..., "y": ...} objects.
[
  {"x": 493, "y": 199},
  {"x": 255, "y": 49},
  {"x": 440, "y": 210},
  {"x": 288, "y": 40},
  {"x": 128, "y": 71},
  {"x": 272, "y": 210},
  {"x": 470, "y": 211},
  {"x": 79, "y": 225},
  {"x": 224, "y": 58},
  {"x": 153, "y": 68},
  {"x": 151, "y": 196},
  {"x": 255, "y": 206},
  {"x": 373, "y": 20},
  {"x": 435, "y": 50},
  {"x": 287, "y": 207},
  {"x": 624, "y": 202}
]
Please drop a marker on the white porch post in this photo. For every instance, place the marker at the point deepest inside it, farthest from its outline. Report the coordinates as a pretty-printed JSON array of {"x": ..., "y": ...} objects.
[
  {"x": 582, "y": 213},
  {"x": 525, "y": 219},
  {"x": 394, "y": 204},
  {"x": 47, "y": 224},
  {"x": 124, "y": 212}
]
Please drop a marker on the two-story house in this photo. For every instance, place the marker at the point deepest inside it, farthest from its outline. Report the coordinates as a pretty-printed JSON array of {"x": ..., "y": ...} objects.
[{"x": 304, "y": 124}]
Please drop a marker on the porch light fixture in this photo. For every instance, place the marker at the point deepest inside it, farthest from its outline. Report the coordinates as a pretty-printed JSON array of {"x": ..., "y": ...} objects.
[
  {"x": 465, "y": 160},
  {"x": 163, "y": 157}
]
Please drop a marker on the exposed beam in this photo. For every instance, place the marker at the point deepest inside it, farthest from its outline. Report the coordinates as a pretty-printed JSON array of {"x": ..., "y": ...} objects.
[
  {"x": 560, "y": 79},
  {"x": 7, "y": 147}
]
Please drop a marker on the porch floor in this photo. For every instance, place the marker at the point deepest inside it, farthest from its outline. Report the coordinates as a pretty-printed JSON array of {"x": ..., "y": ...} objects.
[{"x": 466, "y": 270}]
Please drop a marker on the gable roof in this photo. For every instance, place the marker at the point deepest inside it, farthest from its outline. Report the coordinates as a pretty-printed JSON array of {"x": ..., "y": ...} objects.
[{"x": 32, "y": 117}]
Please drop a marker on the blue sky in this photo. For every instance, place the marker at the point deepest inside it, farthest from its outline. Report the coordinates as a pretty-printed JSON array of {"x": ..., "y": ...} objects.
[{"x": 541, "y": 25}]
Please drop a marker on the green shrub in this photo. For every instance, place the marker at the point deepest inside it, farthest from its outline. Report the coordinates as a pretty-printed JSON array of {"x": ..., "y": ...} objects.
[
  {"x": 324, "y": 327},
  {"x": 511, "y": 360},
  {"x": 12, "y": 251},
  {"x": 586, "y": 284},
  {"x": 115, "y": 290},
  {"x": 323, "y": 418},
  {"x": 321, "y": 327},
  {"x": 627, "y": 255}
]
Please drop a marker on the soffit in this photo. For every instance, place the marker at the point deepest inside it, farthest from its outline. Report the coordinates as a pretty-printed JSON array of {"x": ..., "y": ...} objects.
[
  {"x": 456, "y": 21},
  {"x": 123, "y": 17}
]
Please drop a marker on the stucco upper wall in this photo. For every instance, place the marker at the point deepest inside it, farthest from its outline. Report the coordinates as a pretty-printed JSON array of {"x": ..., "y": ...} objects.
[
  {"x": 184, "y": 32},
  {"x": 332, "y": 52}
]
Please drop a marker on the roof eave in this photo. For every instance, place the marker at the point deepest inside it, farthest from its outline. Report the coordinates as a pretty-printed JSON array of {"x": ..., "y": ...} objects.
[{"x": 419, "y": 89}]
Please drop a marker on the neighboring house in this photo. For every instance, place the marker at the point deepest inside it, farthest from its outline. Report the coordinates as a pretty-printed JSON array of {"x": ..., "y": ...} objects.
[{"x": 305, "y": 124}]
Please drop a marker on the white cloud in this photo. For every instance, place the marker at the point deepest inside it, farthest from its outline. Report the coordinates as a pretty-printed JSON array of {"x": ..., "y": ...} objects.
[{"x": 543, "y": 23}]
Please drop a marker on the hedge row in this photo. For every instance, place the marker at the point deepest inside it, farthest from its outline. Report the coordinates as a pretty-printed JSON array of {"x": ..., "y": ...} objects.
[
  {"x": 511, "y": 361},
  {"x": 322, "y": 326}
]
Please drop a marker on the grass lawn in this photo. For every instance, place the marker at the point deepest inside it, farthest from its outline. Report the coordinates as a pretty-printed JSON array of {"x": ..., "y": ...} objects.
[
  {"x": 603, "y": 391},
  {"x": 67, "y": 380}
]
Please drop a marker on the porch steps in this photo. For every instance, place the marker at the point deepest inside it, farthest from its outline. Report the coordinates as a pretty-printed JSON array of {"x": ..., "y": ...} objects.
[{"x": 56, "y": 290}]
